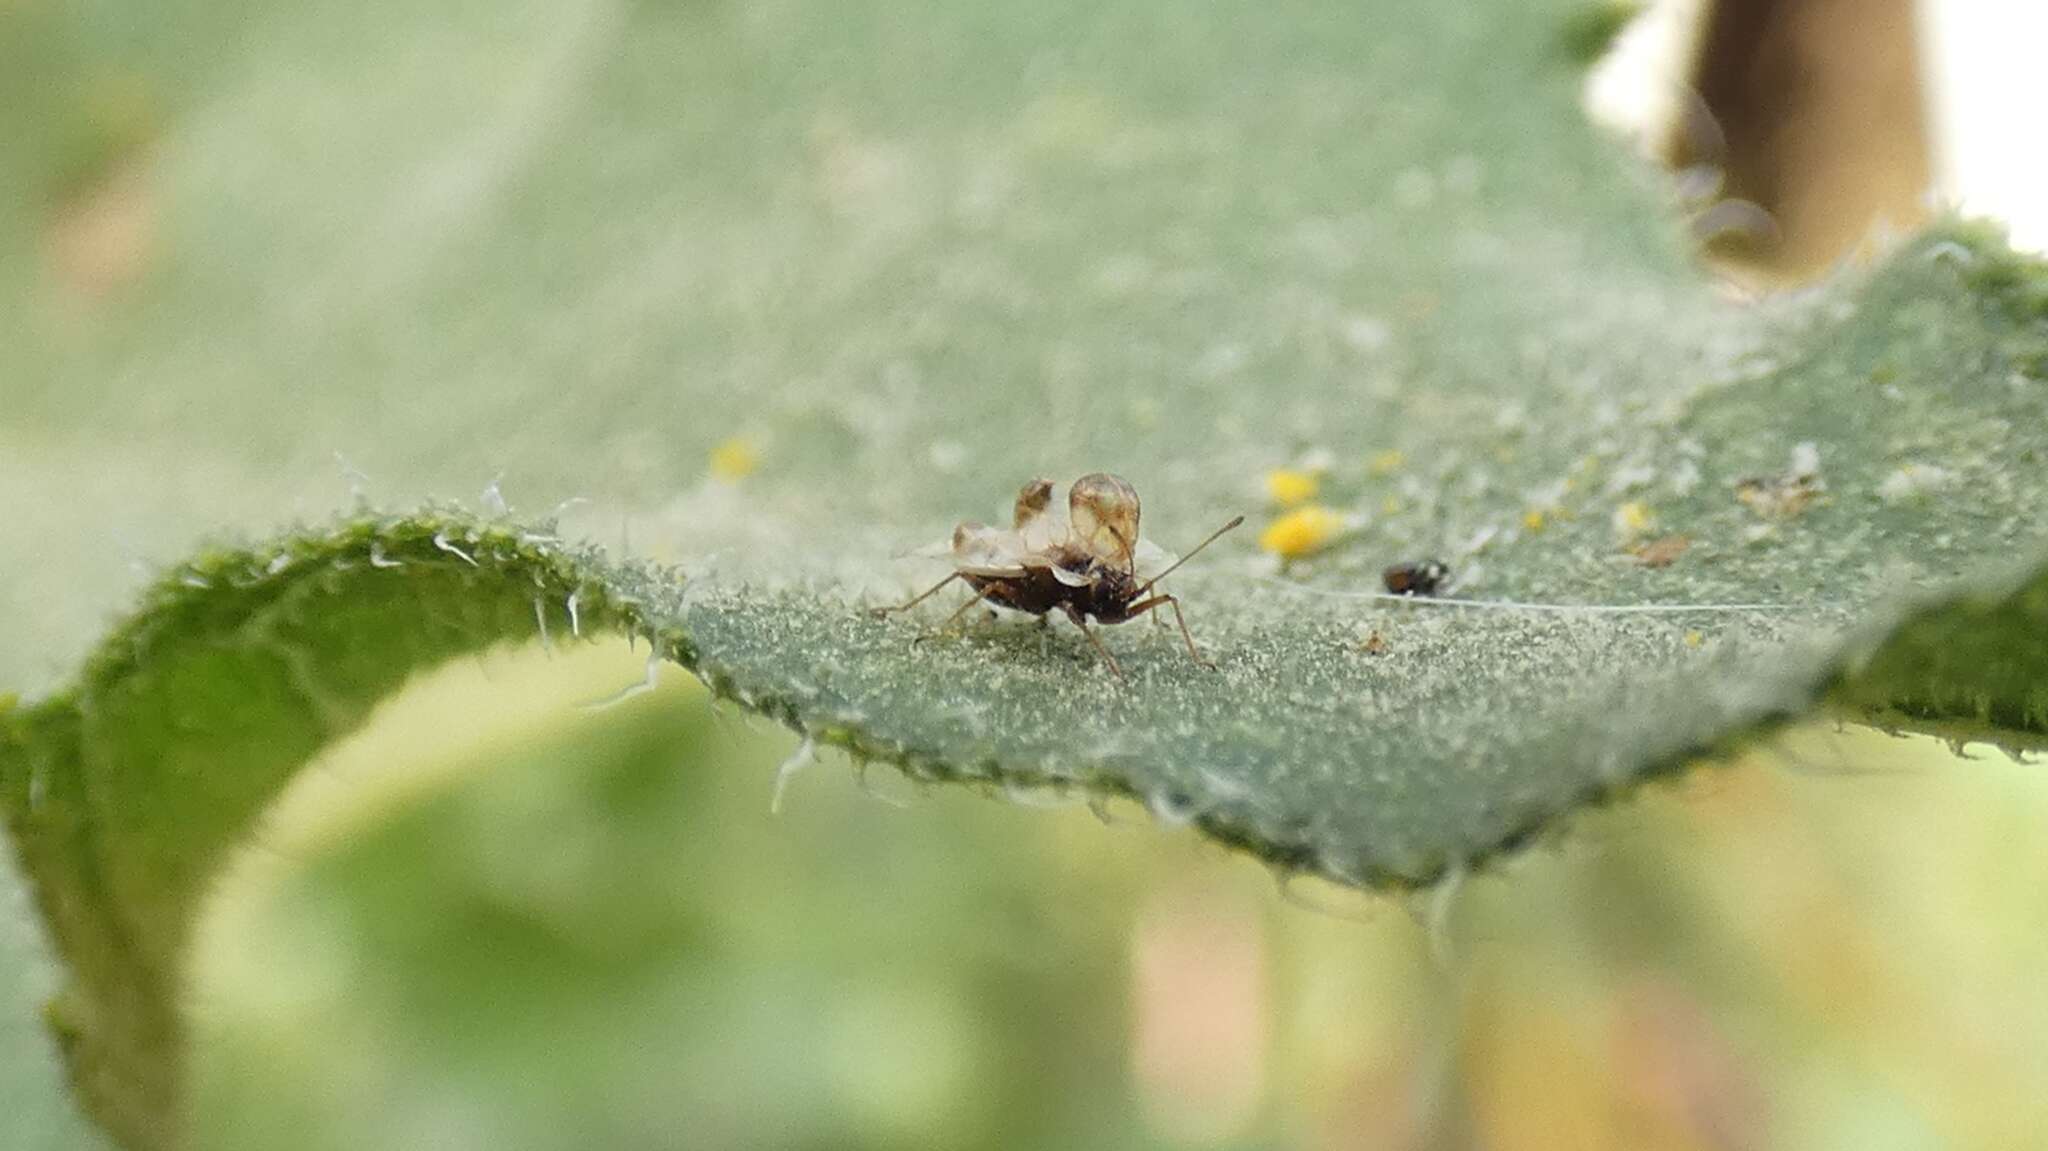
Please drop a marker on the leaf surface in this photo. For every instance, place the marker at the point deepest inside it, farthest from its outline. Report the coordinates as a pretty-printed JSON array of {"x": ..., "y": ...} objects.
[{"x": 784, "y": 292}]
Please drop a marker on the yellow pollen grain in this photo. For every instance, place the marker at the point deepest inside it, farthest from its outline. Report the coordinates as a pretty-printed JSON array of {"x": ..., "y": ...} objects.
[
  {"x": 1534, "y": 519},
  {"x": 1301, "y": 532},
  {"x": 735, "y": 459},
  {"x": 1694, "y": 639},
  {"x": 1634, "y": 518},
  {"x": 1288, "y": 487},
  {"x": 1386, "y": 463}
]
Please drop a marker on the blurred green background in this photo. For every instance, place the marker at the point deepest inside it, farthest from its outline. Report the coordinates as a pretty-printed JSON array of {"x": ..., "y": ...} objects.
[{"x": 590, "y": 931}]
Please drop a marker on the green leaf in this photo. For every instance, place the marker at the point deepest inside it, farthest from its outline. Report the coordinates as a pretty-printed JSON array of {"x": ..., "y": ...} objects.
[
  {"x": 126, "y": 792},
  {"x": 909, "y": 255}
]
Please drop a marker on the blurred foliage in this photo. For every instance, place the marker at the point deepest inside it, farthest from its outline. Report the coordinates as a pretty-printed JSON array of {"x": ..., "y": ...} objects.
[
  {"x": 587, "y": 930},
  {"x": 787, "y": 288}
]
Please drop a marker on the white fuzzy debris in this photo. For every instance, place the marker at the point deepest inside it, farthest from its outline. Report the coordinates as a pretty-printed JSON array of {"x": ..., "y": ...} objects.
[
  {"x": 1549, "y": 496},
  {"x": 1098, "y": 805},
  {"x": 860, "y": 780},
  {"x": 540, "y": 616},
  {"x": 644, "y": 686},
  {"x": 441, "y": 541},
  {"x": 1684, "y": 478},
  {"x": 1949, "y": 251},
  {"x": 1168, "y": 811},
  {"x": 1042, "y": 796},
  {"x": 1913, "y": 481},
  {"x": 798, "y": 760},
  {"x": 358, "y": 480},
  {"x": 1438, "y": 922},
  {"x": 1367, "y": 334},
  {"x": 575, "y": 621},
  {"x": 1316, "y": 459},
  {"x": 379, "y": 560},
  {"x": 1805, "y": 461},
  {"x": 1630, "y": 477},
  {"x": 1225, "y": 788},
  {"x": 494, "y": 499},
  {"x": 1288, "y": 882},
  {"x": 194, "y": 581}
]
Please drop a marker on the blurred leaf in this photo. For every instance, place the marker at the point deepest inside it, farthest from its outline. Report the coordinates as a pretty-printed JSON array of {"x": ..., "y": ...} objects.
[
  {"x": 586, "y": 930},
  {"x": 786, "y": 290},
  {"x": 40, "y": 1115}
]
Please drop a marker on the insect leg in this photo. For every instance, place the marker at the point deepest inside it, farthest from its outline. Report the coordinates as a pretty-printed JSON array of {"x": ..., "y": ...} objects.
[
  {"x": 950, "y": 620},
  {"x": 928, "y": 593},
  {"x": 965, "y": 607},
  {"x": 1167, "y": 600},
  {"x": 1074, "y": 613}
]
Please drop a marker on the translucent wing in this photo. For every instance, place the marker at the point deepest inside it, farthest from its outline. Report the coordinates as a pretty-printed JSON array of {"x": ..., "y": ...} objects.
[
  {"x": 1102, "y": 513},
  {"x": 1032, "y": 502},
  {"x": 979, "y": 549},
  {"x": 1042, "y": 527}
]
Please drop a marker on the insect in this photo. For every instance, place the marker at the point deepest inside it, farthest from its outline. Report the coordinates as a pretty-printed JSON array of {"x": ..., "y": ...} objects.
[
  {"x": 1085, "y": 563},
  {"x": 1415, "y": 577}
]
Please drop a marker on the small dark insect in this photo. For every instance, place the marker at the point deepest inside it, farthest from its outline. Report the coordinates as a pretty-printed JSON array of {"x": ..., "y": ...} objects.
[
  {"x": 1085, "y": 563},
  {"x": 1416, "y": 577}
]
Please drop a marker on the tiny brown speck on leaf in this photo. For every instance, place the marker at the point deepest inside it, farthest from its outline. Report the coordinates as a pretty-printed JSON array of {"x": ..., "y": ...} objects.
[{"x": 1661, "y": 552}]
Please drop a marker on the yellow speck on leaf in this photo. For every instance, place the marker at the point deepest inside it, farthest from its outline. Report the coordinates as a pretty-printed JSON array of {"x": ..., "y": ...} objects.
[
  {"x": 1694, "y": 639},
  {"x": 1534, "y": 519},
  {"x": 1301, "y": 532},
  {"x": 8, "y": 702},
  {"x": 735, "y": 459},
  {"x": 1391, "y": 506},
  {"x": 1386, "y": 463},
  {"x": 1288, "y": 486},
  {"x": 1633, "y": 519}
]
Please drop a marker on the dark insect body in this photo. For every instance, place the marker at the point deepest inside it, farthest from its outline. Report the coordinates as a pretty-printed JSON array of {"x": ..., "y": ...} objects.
[
  {"x": 1416, "y": 577},
  {"x": 1083, "y": 564}
]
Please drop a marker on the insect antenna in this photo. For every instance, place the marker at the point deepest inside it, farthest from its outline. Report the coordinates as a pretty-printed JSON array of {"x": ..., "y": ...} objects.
[{"x": 1213, "y": 537}]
